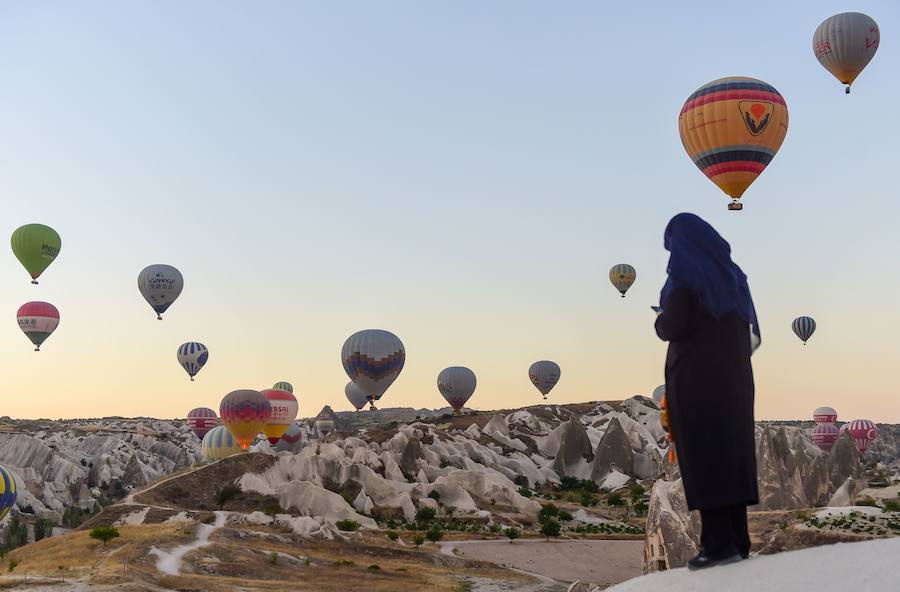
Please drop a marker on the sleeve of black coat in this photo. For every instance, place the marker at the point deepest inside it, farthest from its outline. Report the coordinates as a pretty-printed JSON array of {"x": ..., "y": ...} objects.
[{"x": 672, "y": 324}]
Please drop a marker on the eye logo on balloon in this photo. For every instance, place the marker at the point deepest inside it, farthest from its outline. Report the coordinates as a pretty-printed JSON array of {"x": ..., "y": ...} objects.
[{"x": 756, "y": 116}]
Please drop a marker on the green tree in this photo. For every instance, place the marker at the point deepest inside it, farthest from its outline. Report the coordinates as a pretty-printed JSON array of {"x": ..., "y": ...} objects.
[
  {"x": 226, "y": 494},
  {"x": 418, "y": 540},
  {"x": 347, "y": 525},
  {"x": 425, "y": 514},
  {"x": 435, "y": 533},
  {"x": 636, "y": 492},
  {"x": 547, "y": 512},
  {"x": 615, "y": 499},
  {"x": 104, "y": 533},
  {"x": 550, "y": 528},
  {"x": 512, "y": 533}
]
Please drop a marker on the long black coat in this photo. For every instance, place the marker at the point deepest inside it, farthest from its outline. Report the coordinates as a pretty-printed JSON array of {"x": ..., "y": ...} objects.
[{"x": 709, "y": 397}]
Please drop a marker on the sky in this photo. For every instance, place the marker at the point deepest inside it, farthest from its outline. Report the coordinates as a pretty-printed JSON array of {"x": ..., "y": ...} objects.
[{"x": 462, "y": 174}]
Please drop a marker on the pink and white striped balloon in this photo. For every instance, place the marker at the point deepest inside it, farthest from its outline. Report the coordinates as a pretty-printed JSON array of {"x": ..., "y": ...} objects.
[
  {"x": 825, "y": 435},
  {"x": 863, "y": 433}
]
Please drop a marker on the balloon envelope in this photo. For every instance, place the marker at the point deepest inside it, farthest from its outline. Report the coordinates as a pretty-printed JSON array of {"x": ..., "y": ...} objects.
[
  {"x": 35, "y": 246},
  {"x": 355, "y": 395},
  {"x": 658, "y": 394},
  {"x": 825, "y": 415},
  {"x": 804, "y": 327},
  {"x": 544, "y": 375},
  {"x": 622, "y": 277},
  {"x": 192, "y": 356},
  {"x": 38, "y": 320},
  {"x": 845, "y": 43},
  {"x": 373, "y": 359},
  {"x": 825, "y": 435},
  {"x": 292, "y": 440},
  {"x": 456, "y": 384},
  {"x": 245, "y": 413},
  {"x": 7, "y": 491},
  {"x": 731, "y": 128},
  {"x": 283, "y": 386},
  {"x": 219, "y": 443},
  {"x": 284, "y": 412},
  {"x": 863, "y": 432},
  {"x": 201, "y": 420},
  {"x": 160, "y": 285}
]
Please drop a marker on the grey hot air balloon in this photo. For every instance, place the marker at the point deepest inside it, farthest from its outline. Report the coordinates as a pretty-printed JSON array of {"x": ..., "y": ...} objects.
[
  {"x": 456, "y": 384},
  {"x": 355, "y": 395},
  {"x": 373, "y": 359},
  {"x": 803, "y": 328},
  {"x": 160, "y": 286},
  {"x": 845, "y": 43},
  {"x": 544, "y": 375}
]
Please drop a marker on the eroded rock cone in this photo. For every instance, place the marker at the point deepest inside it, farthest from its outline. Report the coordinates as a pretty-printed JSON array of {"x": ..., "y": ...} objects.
[{"x": 574, "y": 450}]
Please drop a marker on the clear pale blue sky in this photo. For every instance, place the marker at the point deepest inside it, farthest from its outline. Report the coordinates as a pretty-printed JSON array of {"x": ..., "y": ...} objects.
[{"x": 462, "y": 174}]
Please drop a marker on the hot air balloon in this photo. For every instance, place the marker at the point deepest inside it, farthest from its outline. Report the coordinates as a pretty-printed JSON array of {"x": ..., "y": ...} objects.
[
  {"x": 160, "y": 286},
  {"x": 658, "y": 394},
  {"x": 863, "y": 433},
  {"x": 355, "y": 395},
  {"x": 35, "y": 246},
  {"x": 731, "y": 128},
  {"x": 283, "y": 386},
  {"x": 825, "y": 435},
  {"x": 845, "y": 43},
  {"x": 284, "y": 412},
  {"x": 622, "y": 276},
  {"x": 38, "y": 320},
  {"x": 7, "y": 491},
  {"x": 803, "y": 328},
  {"x": 292, "y": 440},
  {"x": 456, "y": 384},
  {"x": 245, "y": 414},
  {"x": 825, "y": 415},
  {"x": 373, "y": 359},
  {"x": 201, "y": 420},
  {"x": 192, "y": 356},
  {"x": 325, "y": 421},
  {"x": 544, "y": 375},
  {"x": 219, "y": 443}
]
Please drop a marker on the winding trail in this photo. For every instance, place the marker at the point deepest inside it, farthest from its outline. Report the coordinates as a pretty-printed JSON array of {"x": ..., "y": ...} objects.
[{"x": 169, "y": 562}]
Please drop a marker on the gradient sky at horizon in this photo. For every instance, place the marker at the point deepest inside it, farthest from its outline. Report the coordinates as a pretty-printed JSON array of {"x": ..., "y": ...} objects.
[{"x": 462, "y": 174}]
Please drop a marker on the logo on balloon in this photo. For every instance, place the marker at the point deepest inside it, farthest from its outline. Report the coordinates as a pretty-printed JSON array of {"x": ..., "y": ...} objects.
[{"x": 757, "y": 115}]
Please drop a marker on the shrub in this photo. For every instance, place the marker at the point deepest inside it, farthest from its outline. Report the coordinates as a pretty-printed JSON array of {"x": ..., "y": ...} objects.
[
  {"x": 374, "y": 567},
  {"x": 512, "y": 533},
  {"x": 640, "y": 508},
  {"x": 495, "y": 527},
  {"x": 418, "y": 540},
  {"x": 433, "y": 494},
  {"x": 343, "y": 562},
  {"x": 891, "y": 506},
  {"x": 273, "y": 558},
  {"x": 104, "y": 533},
  {"x": 568, "y": 483},
  {"x": 590, "y": 486},
  {"x": 550, "y": 528},
  {"x": 434, "y": 534},
  {"x": 425, "y": 514},
  {"x": 392, "y": 535},
  {"x": 273, "y": 508},
  {"x": 347, "y": 525},
  {"x": 521, "y": 480},
  {"x": 565, "y": 515},
  {"x": 547, "y": 512},
  {"x": 588, "y": 499},
  {"x": 615, "y": 499},
  {"x": 12, "y": 563},
  {"x": 525, "y": 492},
  {"x": 226, "y": 494},
  {"x": 636, "y": 492},
  {"x": 866, "y": 501}
]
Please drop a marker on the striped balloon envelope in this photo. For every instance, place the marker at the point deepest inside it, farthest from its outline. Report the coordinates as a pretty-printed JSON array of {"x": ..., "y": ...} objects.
[
  {"x": 284, "y": 412},
  {"x": 38, "y": 320},
  {"x": 803, "y": 328},
  {"x": 622, "y": 277},
  {"x": 283, "y": 386},
  {"x": 863, "y": 432},
  {"x": 456, "y": 384},
  {"x": 825, "y": 415},
  {"x": 7, "y": 491},
  {"x": 292, "y": 440},
  {"x": 544, "y": 375},
  {"x": 201, "y": 420},
  {"x": 245, "y": 413},
  {"x": 192, "y": 356},
  {"x": 373, "y": 359},
  {"x": 845, "y": 44},
  {"x": 825, "y": 435},
  {"x": 731, "y": 128},
  {"x": 219, "y": 443}
]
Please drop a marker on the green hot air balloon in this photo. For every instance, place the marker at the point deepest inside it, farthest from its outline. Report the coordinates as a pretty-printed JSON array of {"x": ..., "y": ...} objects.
[{"x": 35, "y": 246}]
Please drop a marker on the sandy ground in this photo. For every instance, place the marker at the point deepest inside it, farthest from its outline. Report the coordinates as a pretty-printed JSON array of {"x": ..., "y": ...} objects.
[{"x": 599, "y": 562}]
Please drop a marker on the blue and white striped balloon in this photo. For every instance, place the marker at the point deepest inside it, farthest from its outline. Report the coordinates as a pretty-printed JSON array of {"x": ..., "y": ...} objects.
[
  {"x": 804, "y": 327},
  {"x": 192, "y": 356}
]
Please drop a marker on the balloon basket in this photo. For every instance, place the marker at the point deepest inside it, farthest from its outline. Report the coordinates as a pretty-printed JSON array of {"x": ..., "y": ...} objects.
[
  {"x": 158, "y": 317},
  {"x": 735, "y": 206},
  {"x": 34, "y": 282},
  {"x": 847, "y": 90}
]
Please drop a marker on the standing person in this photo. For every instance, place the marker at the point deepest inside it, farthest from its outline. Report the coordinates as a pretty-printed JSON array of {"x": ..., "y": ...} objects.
[{"x": 710, "y": 323}]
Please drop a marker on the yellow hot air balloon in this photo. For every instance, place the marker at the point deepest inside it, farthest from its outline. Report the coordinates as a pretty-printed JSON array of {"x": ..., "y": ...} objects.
[
  {"x": 732, "y": 128},
  {"x": 622, "y": 277}
]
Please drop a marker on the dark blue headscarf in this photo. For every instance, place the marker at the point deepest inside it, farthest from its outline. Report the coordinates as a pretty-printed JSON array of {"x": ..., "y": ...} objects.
[{"x": 701, "y": 262}]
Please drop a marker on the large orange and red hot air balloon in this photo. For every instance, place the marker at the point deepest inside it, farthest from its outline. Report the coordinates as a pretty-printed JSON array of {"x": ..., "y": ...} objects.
[{"x": 731, "y": 128}]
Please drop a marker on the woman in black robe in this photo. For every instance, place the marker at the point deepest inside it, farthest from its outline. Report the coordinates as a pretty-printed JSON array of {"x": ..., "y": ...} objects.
[{"x": 708, "y": 318}]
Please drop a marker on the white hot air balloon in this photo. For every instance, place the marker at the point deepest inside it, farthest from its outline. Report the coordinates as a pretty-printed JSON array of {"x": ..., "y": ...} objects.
[
  {"x": 456, "y": 384},
  {"x": 544, "y": 375},
  {"x": 192, "y": 356},
  {"x": 373, "y": 359},
  {"x": 356, "y": 396},
  {"x": 845, "y": 43},
  {"x": 160, "y": 286}
]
